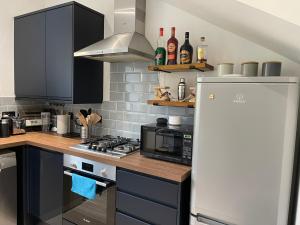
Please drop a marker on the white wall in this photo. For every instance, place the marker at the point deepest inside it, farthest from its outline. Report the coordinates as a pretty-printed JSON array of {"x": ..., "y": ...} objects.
[
  {"x": 287, "y": 10},
  {"x": 8, "y": 10},
  {"x": 224, "y": 46}
]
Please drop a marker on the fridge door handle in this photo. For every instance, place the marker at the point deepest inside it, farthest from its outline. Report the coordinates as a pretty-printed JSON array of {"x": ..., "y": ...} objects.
[{"x": 204, "y": 220}]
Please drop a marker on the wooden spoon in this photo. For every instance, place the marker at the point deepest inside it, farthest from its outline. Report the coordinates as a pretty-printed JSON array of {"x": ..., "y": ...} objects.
[
  {"x": 81, "y": 119},
  {"x": 95, "y": 118}
]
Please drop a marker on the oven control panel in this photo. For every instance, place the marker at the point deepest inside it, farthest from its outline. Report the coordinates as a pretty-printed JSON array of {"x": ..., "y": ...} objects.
[
  {"x": 187, "y": 147},
  {"x": 89, "y": 166}
]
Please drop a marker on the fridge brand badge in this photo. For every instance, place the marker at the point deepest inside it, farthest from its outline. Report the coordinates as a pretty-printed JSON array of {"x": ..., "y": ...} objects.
[
  {"x": 239, "y": 99},
  {"x": 211, "y": 97}
]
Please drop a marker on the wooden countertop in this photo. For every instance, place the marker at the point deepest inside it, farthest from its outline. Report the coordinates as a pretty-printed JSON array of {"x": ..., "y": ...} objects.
[{"x": 135, "y": 162}]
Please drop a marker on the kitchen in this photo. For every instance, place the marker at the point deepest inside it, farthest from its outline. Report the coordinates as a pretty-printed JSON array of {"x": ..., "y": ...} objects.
[{"x": 140, "y": 190}]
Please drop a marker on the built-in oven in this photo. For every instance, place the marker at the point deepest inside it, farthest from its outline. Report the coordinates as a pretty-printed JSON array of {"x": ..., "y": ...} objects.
[{"x": 78, "y": 210}]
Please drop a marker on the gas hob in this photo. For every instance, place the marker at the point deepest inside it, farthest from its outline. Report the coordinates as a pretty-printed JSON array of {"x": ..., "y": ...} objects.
[{"x": 108, "y": 145}]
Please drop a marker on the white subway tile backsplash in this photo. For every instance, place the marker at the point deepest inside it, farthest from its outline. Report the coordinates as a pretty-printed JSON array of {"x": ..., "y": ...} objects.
[
  {"x": 109, "y": 105},
  {"x": 3, "y": 108},
  {"x": 133, "y": 97},
  {"x": 117, "y": 77},
  {"x": 116, "y": 96},
  {"x": 134, "y": 117},
  {"x": 103, "y": 113},
  {"x": 138, "y": 107},
  {"x": 131, "y": 86},
  {"x": 114, "y": 67},
  {"x": 128, "y": 126},
  {"x": 118, "y": 87},
  {"x": 151, "y": 88},
  {"x": 122, "y": 106},
  {"x": 188, "y": 120},
  {"x": 150, "y": 77},
  {"x": 141, "y": 88},
  {"x": 189, "y": 111},
  {"x": 176, "y": 111},
  {"x": 121, "y": 87},
  {"x": 133, "y": 77},
  {"x": 115, "y": 115},
  {"x": 125, "y": 67},
  {"x": 140, "y": 66},
  {"x": 114, "y": 86},
  {"x": 147, "y": 96},
  {"x": 109, "y": 124},
  {"x": 157, "y": 109}
]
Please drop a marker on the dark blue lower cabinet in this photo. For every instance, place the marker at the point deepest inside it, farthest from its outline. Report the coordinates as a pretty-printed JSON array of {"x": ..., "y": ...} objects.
[
  {"x": 43, "y": 187},
  {"x": 148, "y": 200},
  {"x": 145, "y": 209},
  {"x": 122, "y": 219}
]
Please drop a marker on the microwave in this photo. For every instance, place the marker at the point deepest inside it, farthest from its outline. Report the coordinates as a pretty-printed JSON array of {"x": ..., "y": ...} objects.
[{"x": 169, "y": 143}]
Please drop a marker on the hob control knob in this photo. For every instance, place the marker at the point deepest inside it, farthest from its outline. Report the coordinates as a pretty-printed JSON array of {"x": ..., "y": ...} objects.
[
  {"x": 1, "y": 167},
  {"x": 103, "y": 172}
]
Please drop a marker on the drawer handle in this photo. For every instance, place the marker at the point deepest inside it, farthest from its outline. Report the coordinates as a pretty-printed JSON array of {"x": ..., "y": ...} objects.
[{"x": 204, "y": 220}]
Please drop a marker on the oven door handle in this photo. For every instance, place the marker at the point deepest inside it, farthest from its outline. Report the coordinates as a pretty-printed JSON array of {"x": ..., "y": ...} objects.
[{"x": 102, "y": 184}]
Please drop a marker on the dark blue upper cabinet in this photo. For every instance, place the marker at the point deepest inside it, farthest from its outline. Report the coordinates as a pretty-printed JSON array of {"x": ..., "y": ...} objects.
[
  {"x": 59, "y": 54},
  {"x": 45, "y": 42},
  {"x": 30, "y": 78}
]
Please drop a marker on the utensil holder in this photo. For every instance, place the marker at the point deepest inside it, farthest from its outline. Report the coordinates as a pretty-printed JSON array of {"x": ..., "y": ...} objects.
[{"x": 84, "y": 133}]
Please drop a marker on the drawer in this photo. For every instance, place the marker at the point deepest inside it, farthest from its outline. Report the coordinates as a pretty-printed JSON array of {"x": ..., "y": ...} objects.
[
  {"x": 147, "y": 187},
  {"x": 146, "y": 210},
  {"x": 122, "y": 219}
]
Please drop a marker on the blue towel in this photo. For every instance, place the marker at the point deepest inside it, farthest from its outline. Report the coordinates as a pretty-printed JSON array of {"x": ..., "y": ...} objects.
[{"x": 84, "y": 186}]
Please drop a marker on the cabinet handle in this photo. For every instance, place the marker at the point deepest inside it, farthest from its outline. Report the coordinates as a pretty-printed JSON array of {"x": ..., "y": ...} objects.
[{"x": 203, "y": 220}]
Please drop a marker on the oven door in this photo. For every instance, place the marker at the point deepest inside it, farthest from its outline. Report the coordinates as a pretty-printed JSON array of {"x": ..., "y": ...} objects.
[
  {"x": 78, "y": 210},
  {"x": 169, "y": 142}
]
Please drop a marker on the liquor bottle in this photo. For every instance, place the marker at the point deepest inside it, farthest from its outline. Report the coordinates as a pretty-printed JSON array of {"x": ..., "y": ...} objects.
[
  {"x": 181, "y": 89},
  {"x": 160, "y": 52},
  {"x": 172, "y": 47},
  {"x": 202, "y": 51},
  {"x": 186, "y": 51}
]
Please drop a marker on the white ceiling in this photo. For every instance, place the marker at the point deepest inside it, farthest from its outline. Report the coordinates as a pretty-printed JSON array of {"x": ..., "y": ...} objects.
[{"x": 254, "y": 24}]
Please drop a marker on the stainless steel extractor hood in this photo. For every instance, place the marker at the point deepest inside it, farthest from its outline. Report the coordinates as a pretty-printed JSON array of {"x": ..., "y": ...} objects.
[{"x": 128, "y": 42}]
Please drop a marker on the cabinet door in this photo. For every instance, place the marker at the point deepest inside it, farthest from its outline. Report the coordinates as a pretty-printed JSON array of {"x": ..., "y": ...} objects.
[
  {"x": 59, "y": 52},
  {"x": 29, "y": 55},
  {"x": 44, "y": 187}
]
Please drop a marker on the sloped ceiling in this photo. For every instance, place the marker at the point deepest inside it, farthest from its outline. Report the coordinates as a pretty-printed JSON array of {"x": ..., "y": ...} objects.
[{"x": 251, "y": 23}]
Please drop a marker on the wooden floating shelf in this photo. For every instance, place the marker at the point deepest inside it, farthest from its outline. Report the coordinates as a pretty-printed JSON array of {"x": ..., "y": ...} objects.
[
  {"x": 181, "y": 67},
  {"x": 171, "y": 103}
]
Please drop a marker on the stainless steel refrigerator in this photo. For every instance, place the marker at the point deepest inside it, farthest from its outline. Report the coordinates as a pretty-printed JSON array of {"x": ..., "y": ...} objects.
[{"x": 244, "y": 150}]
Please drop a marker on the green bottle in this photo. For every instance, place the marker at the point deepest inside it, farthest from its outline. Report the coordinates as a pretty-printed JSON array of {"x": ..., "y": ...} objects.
[{"x": 160, "y": 52}]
